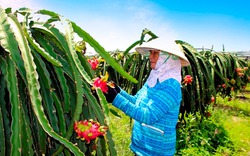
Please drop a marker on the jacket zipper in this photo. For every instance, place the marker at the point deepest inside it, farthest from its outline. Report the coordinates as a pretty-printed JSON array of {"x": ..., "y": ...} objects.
[{"x": 154, "y": 128}]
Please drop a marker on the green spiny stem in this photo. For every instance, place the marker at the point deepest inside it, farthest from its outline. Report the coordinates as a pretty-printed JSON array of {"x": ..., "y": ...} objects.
[
  {"x": 41, "y": 50},
  {"x": 2, "y": 135},
  {"x": 5, "y": 113},
  {"x": 59, "y": 73},
  {"x": 69, "y": 39},
  {"x": 59, "y": 41},
  {"x": 2, "y": 102},
  {"x": 84, "y": 61},
  {"x": 41, "y": 139},
  {"x": 65, "y": 89},
  {"x": 27, "y": 141},
  {"x": 100, "y": 116},
  {"x": 104, "y": 105},
  {"x": 99, "y": 49},
  {"x": 12, "y": 86},
  {"x": 46, "y": 92},
  {"x": 60, "y": 113},
  {"x": 78, "y": 108},
  {"x": 29, "y": 137},
  {"x": 78, "y": 90},
  {"x": 9, "y": 43},
  {"x": 34, "y": 87}
]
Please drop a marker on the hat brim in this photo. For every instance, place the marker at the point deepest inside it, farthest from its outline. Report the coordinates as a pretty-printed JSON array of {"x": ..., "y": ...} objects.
[{"x": 145, "y": 51}]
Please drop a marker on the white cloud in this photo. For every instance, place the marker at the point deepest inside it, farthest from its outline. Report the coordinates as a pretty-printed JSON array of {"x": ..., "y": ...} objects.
[
  {"x": 118, "y": 27},
  {"x": 123, "y": 29},
  {"x": 16, "y": 4}
]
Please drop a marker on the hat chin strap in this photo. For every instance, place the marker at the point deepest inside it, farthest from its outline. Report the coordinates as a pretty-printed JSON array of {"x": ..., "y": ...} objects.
[{"x": 166, "y": 67}]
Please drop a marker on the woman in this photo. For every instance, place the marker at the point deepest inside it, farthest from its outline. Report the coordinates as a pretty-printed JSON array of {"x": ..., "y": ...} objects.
[{"x": 155, "y": 107}]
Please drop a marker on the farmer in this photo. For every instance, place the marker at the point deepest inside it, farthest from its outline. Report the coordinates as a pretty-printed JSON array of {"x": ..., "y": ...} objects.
[{"x": 155, "y": 107}]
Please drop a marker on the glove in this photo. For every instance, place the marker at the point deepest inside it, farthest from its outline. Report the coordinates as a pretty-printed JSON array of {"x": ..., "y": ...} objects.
[
  {"x": 118, "y": 90},
  {"x": 111, "y": 94}
]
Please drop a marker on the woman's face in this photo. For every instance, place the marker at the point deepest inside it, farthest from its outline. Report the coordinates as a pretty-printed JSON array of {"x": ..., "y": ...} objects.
[{"x": 153, "y": 57}]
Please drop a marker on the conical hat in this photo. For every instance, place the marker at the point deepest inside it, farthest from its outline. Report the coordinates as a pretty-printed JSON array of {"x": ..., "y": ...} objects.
[{"x": 168, "y": 47}]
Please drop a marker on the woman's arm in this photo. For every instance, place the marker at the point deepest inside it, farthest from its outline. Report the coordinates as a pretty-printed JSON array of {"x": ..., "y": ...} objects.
[{"x": 153, "y": 106}]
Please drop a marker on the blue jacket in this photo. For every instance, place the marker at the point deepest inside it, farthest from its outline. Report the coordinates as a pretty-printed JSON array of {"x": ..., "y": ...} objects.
[{"x": 155, "y": 112}]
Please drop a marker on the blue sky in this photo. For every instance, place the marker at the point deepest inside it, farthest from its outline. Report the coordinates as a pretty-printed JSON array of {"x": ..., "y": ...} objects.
[{"x": 116, "y": 24}]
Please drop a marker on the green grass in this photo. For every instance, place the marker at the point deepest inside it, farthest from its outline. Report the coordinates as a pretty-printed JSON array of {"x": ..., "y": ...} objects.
[
  {"x": 121, "y": 128},
  {"x": 239, "y": 105},
  {"x": 239, "y": 131},
  {"x": 235, "y": 116}
]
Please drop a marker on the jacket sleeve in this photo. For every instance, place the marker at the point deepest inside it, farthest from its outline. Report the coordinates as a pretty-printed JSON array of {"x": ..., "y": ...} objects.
[
  {"x": 152, "y": 107},
  {"x": 127, "y": 96}
]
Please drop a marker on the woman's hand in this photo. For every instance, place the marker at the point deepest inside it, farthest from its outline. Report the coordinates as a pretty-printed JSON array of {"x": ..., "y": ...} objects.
[{"x": 112, "y": 92}]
